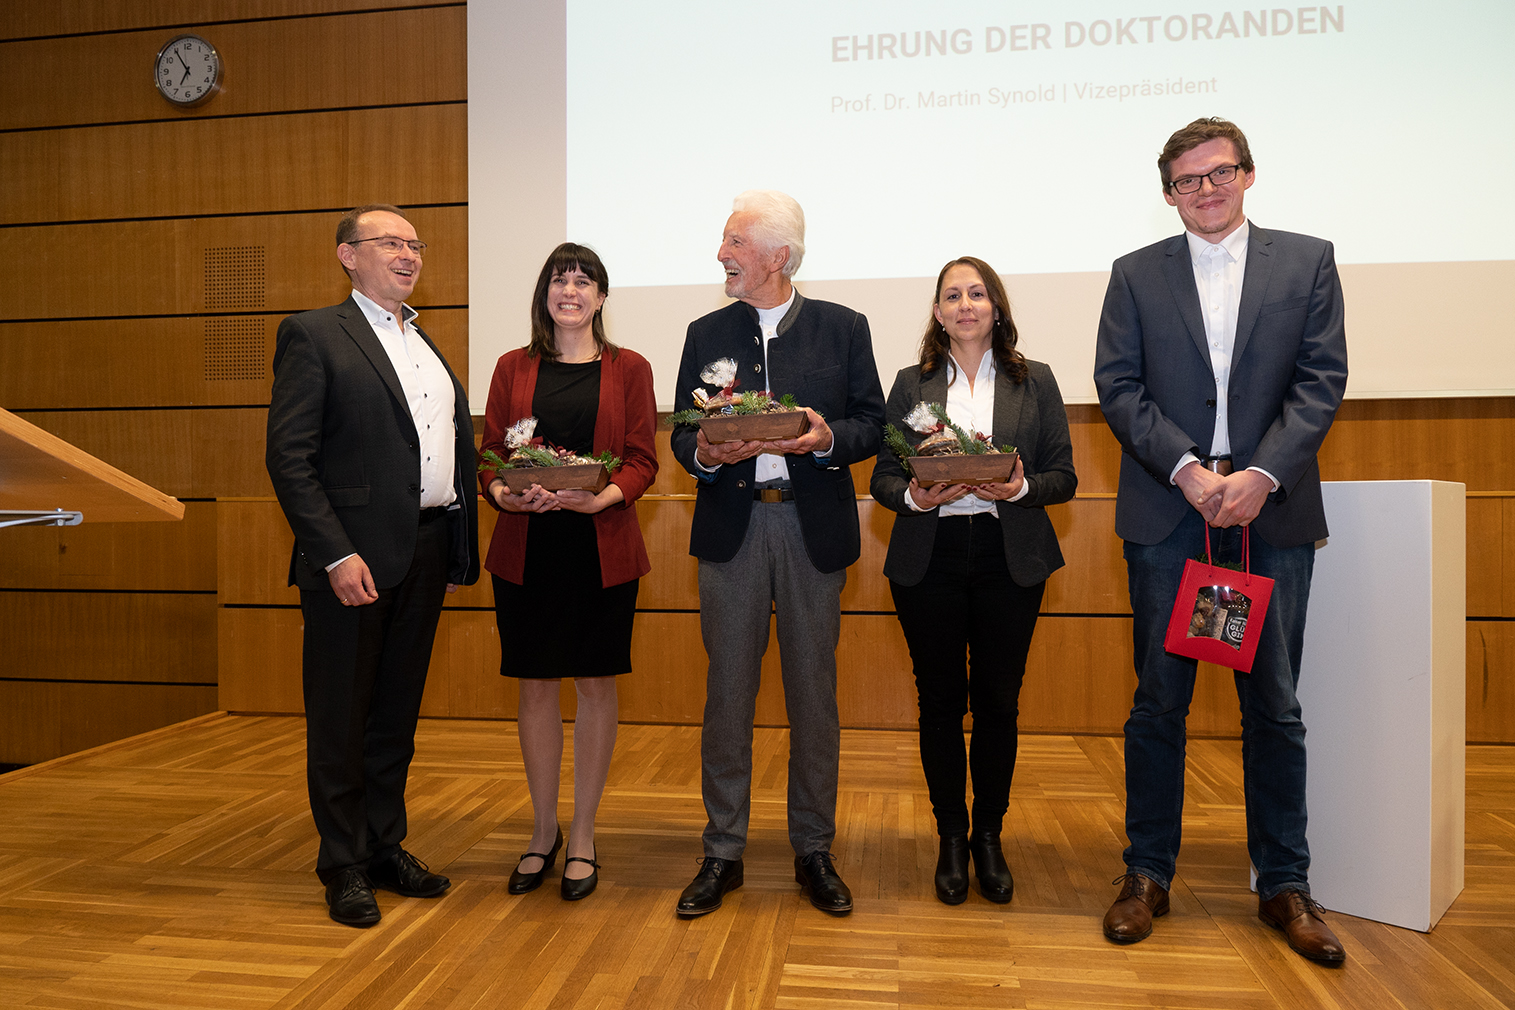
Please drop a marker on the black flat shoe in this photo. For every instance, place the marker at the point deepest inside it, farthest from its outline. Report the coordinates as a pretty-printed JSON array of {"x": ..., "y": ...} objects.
[
  {"x": 574, "y": 888},
  {"x": 989, "y": 865},
  {"x": 404, "y": 874},
  {"x": 520, "y": 882},
  {"x": 952, "y": 870},
  {"x": 351, "y": 900}
]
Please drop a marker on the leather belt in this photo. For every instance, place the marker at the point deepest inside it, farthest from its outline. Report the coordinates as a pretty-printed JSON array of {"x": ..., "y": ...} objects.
[
  {"x": 435, "y": 512},
  {"x": 772, "y": 495},
  {"x": 1220, "y": 464}
]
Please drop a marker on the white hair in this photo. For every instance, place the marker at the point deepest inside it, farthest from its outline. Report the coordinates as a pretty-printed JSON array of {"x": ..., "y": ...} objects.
[{"x": 779, "y": 222}]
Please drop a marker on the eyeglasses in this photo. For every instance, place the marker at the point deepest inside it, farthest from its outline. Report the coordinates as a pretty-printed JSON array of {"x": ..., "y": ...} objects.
[
  {"x": 393, "y": 245},
  {"x": 1190, "y": 183}
]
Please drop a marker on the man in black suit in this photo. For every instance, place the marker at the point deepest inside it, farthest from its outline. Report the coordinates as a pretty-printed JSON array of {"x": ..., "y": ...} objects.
[
  {"x": 370, "y": 448},
  {"x": 775, "y": 527},
  {"x": 1221, "y": 361}
]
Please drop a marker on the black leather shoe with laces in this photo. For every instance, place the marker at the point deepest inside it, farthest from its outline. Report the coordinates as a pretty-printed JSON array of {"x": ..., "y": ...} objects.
[
  {"x": 351, "y": 899},
  {"x": 404, "y": 874},
  {"x": 819, "y": 878},
  {"x": 704, "y": 893}
]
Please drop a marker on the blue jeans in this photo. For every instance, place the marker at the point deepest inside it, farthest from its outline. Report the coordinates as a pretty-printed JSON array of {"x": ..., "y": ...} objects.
[{"x": 1273, "y": 734}]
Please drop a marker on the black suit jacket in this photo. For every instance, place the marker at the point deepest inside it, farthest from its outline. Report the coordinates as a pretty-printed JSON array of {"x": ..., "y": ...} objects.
[
  {"x": 1288, "y": 375},
  {"x": 344, "y": 456},
  {"x": 1029, "y": 416},
  {"x": 823, "y": 354}
]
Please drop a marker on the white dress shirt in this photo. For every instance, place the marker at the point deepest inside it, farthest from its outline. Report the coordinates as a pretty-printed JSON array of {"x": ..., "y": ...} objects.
[
  {"x": 1219, "y": 269},
  {"x": 428, "y": 393}
]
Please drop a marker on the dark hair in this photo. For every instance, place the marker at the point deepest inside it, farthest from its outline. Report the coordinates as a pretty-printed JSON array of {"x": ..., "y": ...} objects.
[
  {"x": 566, "y": 258},
  {"x": 1002, "y": 337},
  {"x": 347, "y": 228},
  {"x": 1202, "y": 131}
]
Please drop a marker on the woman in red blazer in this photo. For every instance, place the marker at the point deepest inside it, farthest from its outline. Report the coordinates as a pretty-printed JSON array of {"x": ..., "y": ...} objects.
[{"x": 565, "y": 564}]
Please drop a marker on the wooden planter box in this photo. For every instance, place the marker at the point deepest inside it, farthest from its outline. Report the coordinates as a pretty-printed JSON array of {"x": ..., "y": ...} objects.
[
  {"x": 577, "y": 476},
  {"x": 989, "y": 468},
  {"x": 755, "y": 427}
]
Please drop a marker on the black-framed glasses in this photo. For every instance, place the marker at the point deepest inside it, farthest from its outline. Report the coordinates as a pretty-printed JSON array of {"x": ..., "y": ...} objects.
[
  {"x": 1187, "y": 184},
  {"x": 393, "y": 244}
]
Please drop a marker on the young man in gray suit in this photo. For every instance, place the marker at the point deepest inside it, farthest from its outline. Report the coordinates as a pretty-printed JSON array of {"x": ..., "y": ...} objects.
[
  {"x": 370, "y": 449},
  {"x": 1220, "y": 364},
  {"x": 775, "y": 527}
]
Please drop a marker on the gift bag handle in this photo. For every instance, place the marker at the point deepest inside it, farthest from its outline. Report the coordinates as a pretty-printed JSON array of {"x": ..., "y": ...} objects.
[{"x": 1246, "y": 550}]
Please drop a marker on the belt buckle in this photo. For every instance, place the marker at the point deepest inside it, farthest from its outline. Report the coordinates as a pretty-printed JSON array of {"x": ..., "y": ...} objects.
[{"x": 771, "y": 495}]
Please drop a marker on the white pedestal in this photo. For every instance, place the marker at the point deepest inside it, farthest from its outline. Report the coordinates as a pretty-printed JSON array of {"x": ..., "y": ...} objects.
[{"x": 1382, "y": 687}]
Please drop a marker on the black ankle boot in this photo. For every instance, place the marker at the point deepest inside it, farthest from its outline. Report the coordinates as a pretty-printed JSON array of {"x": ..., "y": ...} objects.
[
  {"x": 989, "y": 866},
  {"x": 952, "y": 869}
]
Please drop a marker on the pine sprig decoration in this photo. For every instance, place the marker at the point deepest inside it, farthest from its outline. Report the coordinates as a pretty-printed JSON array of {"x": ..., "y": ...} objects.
[
  {"x": 611, "y": 460},
  {"x": 967, "y": 443},
  {"x": 788, "y": 402},
  {"x": 490, "y": 460},
  {"x": 895, "y": 440},
  {"x": 690, "y": 416},
  {"x": 538, "y": 456}
]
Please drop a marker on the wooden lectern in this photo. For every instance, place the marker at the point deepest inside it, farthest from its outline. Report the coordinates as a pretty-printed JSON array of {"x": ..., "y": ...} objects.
[{"x": 45, "y": 481}]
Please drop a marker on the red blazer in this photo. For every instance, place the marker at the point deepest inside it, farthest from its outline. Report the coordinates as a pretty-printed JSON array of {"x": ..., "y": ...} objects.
[{"x": 625, "y": 425}]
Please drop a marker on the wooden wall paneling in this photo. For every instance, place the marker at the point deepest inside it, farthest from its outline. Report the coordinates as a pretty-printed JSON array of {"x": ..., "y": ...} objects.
[
  {"x": 867, "y": 589},
  {"x": 259, "y": 659},
  {"x": 156, "y": 637},
  {"x": 149, "y": 556},
  {"x": 464, "y": 680},
  {"x": 1096, "y": 453},
  {"x": 228, "y": 166},
  {"x": 1093, "y": 580},
  {"x": 152, "y": 268},
  {"x": 672, "y": 478},
  {"x": 1486, "y": 557},
  {"x": 1491, "y": 682},
  {"x": 196, "y": 453},
  {"x": 1470, "y": 440},
  {"x": 26, "y": 19},
  {"x": 253, "y": 544},
  {"x": 875, "y": 680},
  {"x": 1079, "y": 676},
  {"x": 41, "y": 721},
  {"x": 673, "y": 583},
  {"x": 160, "y": 362},
  {"x": 1507, "y": 553},
  {"x": 271, "y": 66}
]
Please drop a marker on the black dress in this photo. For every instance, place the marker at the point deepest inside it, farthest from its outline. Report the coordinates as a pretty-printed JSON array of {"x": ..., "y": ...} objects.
[{"x": 560, "y": 622}]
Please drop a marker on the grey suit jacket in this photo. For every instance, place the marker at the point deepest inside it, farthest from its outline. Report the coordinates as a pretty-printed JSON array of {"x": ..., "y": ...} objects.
[
  {"x": 1029, "y": 416},
  {"x": 1288, "y": 374},
  {"x": 344, "y": 456}
]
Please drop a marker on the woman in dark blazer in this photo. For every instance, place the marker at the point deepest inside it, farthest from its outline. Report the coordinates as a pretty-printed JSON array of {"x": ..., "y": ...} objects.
[
  {"x": 967, "y": 564},
  {"x": 565, "y": 564}
]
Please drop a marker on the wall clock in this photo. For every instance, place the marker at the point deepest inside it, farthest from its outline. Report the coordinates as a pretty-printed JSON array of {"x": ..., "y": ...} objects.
[{"x": 187, "y": 70}]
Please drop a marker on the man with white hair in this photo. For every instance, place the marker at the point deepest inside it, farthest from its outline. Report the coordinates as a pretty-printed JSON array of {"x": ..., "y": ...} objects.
[{"x": 775, "y": 527}]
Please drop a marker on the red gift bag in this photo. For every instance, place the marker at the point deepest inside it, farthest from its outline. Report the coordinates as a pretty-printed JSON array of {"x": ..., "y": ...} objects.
[{"x": 1218, "y": 616}]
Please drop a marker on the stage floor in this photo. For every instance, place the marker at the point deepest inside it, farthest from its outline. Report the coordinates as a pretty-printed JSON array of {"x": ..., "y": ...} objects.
[{"x": 174, "y": 870}]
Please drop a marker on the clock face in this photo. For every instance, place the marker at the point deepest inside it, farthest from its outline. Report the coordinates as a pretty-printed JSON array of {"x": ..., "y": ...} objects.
[{"x": 187, "y": 70}]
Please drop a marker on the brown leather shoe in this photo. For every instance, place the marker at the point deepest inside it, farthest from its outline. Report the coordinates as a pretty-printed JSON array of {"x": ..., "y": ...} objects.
[
  {"x": 1299, "y": 916},
  {"x": 1140, "y": 901}
]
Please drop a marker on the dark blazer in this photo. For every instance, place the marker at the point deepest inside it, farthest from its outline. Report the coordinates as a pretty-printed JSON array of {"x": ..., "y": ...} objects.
[
  {"x": 344, "y": 456},
  {"x": 1029, "y": 416},
  {"x": 823, "y": 354},
  {"x": 1288, "y": 375},
  {"x": 626, "y": 424}
]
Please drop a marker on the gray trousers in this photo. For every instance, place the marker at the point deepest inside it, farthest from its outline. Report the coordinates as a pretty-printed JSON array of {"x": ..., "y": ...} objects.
[{"x": 771, "y": 573}]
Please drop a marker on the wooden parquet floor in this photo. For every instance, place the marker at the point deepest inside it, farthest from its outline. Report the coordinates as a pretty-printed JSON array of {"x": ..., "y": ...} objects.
[{"x": 173, "y": 871}]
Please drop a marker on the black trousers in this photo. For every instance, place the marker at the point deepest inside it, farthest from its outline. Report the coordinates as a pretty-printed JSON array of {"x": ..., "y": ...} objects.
[
  {"x": 969, "y": 627},
  {"x": 364, "y": 672}
]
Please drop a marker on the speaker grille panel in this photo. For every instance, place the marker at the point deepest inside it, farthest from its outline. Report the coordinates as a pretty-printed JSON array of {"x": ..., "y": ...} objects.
[
  {"x": 236, "y": 348},
  {"x": 234, "y": 277}
]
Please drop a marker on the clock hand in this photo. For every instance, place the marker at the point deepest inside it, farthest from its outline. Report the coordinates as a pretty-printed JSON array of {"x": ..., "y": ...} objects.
[{"x": 181, "y": 61}]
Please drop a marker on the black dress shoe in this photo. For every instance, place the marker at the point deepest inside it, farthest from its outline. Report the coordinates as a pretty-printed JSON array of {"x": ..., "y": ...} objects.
[
  {"x": 520, "y": 882},
  {"x": 704, "y": 893},
  {"x": 351, "y": 900},
  {"x": 989, "y": 866},
  {"x": 404, "y": 874},
  {"x": 574, "y": 888},
  {"x": 952, "y": 870},
  {"x": 819, "y": 878}
]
